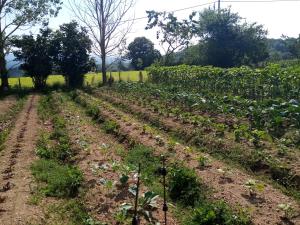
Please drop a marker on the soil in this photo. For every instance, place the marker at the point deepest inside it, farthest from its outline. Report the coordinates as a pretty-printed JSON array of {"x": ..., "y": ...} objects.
[
  {"x": 102, "y": 203},
  {"x": 291, "y": 159},
  {"x": 16, "y": 182},
  {"x": 6, "y": 104},
  {"x": 262, "y": 211}
]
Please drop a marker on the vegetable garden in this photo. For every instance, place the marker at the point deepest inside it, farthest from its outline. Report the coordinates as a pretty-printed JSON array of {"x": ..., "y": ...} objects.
[{"x": 191, "y": 146}]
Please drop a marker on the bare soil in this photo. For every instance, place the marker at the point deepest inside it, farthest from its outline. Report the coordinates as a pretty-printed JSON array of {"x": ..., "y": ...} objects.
[
  {"x": 16, "y": 182},
  {"x": 6, "y": 104},
  {"x": 100, "y": 150}
]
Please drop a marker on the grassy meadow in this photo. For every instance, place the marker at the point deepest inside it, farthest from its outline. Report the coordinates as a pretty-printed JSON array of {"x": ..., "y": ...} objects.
[{"x": 90, "y": 78}]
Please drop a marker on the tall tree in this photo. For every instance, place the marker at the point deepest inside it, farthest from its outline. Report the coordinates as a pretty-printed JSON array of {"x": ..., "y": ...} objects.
[
  {"x": 17, "y": 14},
  {"x": 71, "y": 48},
  {"x": 107, "y": 24},
  {"x": 174, "y": 35},
  {"x": 141, "y": 52},
  {"x": 229, "y": 42},
  {"x": 35, "y": 55}
]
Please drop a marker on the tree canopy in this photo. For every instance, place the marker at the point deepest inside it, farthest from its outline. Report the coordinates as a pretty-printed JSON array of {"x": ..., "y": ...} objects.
[
  {"x": 141, "y": 52},
  {"x": 18, "y": 14},
  {"x": 35, "y": 55},
  {"x": 71, "y": 48},
  {"x": 229, "y": 42}
]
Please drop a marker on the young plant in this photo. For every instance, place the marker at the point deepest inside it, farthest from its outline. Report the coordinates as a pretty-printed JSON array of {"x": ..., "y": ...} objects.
[
  {"x": 225, "y": 177},
  {"x": 160, "y": 141},
  {"x": 203, "y": 161},
  {"x": 171, "y": 145},
  {"x": 124, "y": 180},
  {"x": 254, "y": 187},
  {"x": 288, "y": 210}
]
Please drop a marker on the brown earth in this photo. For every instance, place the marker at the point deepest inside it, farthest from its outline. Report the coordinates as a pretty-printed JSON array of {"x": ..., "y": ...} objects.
[
  {"x": 16, "y": 182},
  {"x": 6, "y": 104},
  {"x": 102, "y": 203},
  {"x": 263, "y": 209},
  {"x": 291, "y": 159}
]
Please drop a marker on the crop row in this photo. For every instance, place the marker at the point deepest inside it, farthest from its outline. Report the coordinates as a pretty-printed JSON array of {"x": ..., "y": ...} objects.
[
  {"x": 209, "y": 137},
  {"x": 183, "y": 187},
  {"x": 233, "y": 190},
  {"x": 272, "y": 81},
  {"x": 7, "y": 120},
  {"x": 277, "y": 118}
]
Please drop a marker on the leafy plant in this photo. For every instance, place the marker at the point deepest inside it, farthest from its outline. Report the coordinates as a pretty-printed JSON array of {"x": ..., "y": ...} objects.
[
  {"x": 217, "y": 213},
  {"x": 184, "y": 186},
  {"x": 254, "y": 187},
  {"x": 289, "y": 211},
  {"x": 203, "y": 161},
  {"x": 124, "y": 179},
  {"x": 110, "y": 127}
]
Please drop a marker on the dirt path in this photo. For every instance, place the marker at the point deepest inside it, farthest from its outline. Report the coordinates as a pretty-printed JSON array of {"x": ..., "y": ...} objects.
[
  {"x": 15, "y": 161},
  {"x": 263, "y": 209},
  {"x": 6, "y": 104}
]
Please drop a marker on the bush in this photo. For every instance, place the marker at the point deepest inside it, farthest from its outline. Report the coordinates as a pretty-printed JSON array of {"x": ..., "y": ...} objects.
[
  {"x": 61, "y": 180},
  {"x": 184, "y": 186},
  {"x": 216, "y": 213}
]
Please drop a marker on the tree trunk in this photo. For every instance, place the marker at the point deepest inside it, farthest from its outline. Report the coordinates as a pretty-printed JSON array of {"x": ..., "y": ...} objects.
[
  {"x": 104, "y": 76},
  {"x": 3, "y": 70}
]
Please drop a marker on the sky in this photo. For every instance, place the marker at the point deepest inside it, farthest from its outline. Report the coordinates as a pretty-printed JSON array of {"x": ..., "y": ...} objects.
[{"x": 279, "y": 18}]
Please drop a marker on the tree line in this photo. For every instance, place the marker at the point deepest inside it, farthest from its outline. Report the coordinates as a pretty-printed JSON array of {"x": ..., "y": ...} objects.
[{"x": 219, "y": 38}]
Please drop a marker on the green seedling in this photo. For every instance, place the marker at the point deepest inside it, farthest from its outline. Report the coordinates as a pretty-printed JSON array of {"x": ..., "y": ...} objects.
[
  {"x": 288, "y": 210},
  {"x": 124, "y": 179},
  {"x": 171, "y": 145},
  {"x": 160, "y": 141},
  {"x": 203, "y": 161},
  {"x": 254, "y": 187}
]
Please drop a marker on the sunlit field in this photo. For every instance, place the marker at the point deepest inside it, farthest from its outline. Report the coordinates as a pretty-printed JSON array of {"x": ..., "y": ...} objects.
[{"x": 90, "y": 79}]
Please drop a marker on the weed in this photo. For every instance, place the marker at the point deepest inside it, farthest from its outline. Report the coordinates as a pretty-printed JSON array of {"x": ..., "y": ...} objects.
[
  {"x": 61, "y": 180},
  {"x": 184, "y": 186},
  {"x": 110, "y": 127},
  {"x": 216, "y": 213}
]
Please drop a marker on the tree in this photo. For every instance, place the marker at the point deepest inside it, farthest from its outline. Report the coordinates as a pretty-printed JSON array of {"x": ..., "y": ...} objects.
[
  {"x": 17, "y": 14},
  {"x": 141, "y": 52},
  {"x": 70, "y": 49},
  {"x": 106, "y": 23},
  {"x": 174, "y": 35},
  {"x": 227, "y": 41},
  {"x": 35, "y": 55}
]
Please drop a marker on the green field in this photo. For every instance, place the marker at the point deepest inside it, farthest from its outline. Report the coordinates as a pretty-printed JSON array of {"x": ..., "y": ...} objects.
[{"x": 91, "y": 79}]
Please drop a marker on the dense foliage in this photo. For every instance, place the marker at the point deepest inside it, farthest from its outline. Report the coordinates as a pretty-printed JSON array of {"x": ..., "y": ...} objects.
[
  {"x": 227, "y": 41},
  {"x": 35, "y": 55},
  {"x": 141, "y": 52},
  {"x": 71, "y": 48},
  {"x": 19, "y": 14},
  {"x": 269, "y": 82}
]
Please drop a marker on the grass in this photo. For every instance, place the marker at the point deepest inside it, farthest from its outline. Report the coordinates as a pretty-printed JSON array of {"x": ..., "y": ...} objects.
[
  {"x": 90, "y": 78},
  {"x": 61, "y": 180}
]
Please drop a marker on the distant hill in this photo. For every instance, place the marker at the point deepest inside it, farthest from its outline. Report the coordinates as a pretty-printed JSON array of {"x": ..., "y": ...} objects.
[{"x": 14, "y": 71}]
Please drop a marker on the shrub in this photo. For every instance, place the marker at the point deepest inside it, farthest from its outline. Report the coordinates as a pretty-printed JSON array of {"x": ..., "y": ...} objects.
[
  {"x": 184, "y": 186},
  {"x": 61, "y": 180}
]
